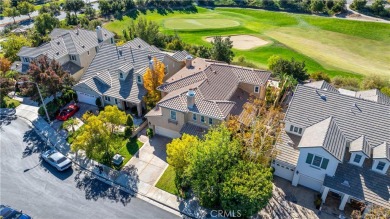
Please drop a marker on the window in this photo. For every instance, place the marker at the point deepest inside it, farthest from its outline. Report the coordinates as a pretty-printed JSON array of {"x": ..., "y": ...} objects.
[
  {"x": 357, "y": 158},
  {"x": 25, "y": 59},
  {"x": 210, "y": 121},
  {"x": 166, "y": 70},
  {"x": 317, "y": 161},
  {"x": 112, "y": 40},
  {"x": 120, "y": 75},
  {"x": 173, "y": 115},
  {"x": 72, "y": 57},
  {"x": 116, "y": 101},
  {"x": 202, "y": 119},
  {"x": 96, "y": 49},
  {"x": 380, "y": 166},
  {"x": 88, "y": 52},
  {"x": 257, "y": 89},
  {"x": 107, "y": 98},
  {"x": 295, "y": 129},
  {"x": 139, "y": 79},
  {"x": 194, "y": 117}
]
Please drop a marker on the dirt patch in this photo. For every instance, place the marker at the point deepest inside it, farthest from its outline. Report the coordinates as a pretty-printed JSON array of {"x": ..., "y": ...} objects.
[{"x": 244, "y": 42}]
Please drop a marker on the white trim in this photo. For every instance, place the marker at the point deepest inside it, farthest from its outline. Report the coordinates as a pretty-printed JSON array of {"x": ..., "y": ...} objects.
[{"x": 170, "y": 115}]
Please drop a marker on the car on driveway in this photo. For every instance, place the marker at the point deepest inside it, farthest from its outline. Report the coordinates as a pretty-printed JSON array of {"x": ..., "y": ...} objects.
[
  {"x": 57, "y": 160},
  {"x": 7, "y": 212},
  {"x": 68, "y": 112}
]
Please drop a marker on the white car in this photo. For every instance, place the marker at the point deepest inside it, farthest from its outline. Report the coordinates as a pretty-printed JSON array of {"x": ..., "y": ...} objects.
[{"x": 57, "y": 160}]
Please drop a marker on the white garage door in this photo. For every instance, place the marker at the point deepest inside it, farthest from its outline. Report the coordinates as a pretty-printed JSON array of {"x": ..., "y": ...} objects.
[
  {"x": 310, "y": 182},
  {"x": 86, "y": 98},
  {"x": 286, "y": 172},
  {"x": 167, "y": 132}
]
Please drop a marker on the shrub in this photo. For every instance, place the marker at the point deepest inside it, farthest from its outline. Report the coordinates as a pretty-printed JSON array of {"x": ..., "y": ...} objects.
[
  {"x": 128, "y": 131},
  {"x": 347, "y": 83},
  {"x": 149, "y": 132},
  {"x": 386, "y": 90},
  {"x": 373, "y": 81},
  {"x": 129, "y": 120},
  {"x": 318, "y": 76}
]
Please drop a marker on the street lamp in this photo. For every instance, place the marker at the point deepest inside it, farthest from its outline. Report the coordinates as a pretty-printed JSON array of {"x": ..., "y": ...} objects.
[{"x": 40, "y": 95}]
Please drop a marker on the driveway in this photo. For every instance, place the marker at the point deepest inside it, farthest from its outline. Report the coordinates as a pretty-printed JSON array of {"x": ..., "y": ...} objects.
[
  {"x": 56, "y": 124},
  {"x": 150, "y": 161}
]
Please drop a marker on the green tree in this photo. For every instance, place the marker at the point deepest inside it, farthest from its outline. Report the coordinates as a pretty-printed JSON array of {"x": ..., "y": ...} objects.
[
  {"x": 146, "y": 30},
  {"x": 74, "y": 5},
  {"x": 280, "y": 66},
  {"x": 386, "y": 91},
  {"x": 112, "y": 117},
  {"x": 216, "y": 154},
  {"x": 12, "y": 46},
  {"x": 317, "y": 6},
  {"x": 247, "y": 188},
  {"x": 378, "y": 7},
  {"x": 358, "y": 4},
  {"x": 71, "y": 123},
  {"x": 319, "y": 76},
  {"x": 90, "y": 12},
  {"x": 338, "y": 6},
  {"x": 104, "y": 7},
  {"x": 26, "y": 8},
  {"x": 11, "y": 12},
  {"x": 222, "y": 49},
  {"x": 129, "y": 120},
  {"x": 45, "y": 23}
]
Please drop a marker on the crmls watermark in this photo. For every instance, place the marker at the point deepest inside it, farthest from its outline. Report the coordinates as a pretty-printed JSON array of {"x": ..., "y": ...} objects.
[{"x": 228, "y": 214}]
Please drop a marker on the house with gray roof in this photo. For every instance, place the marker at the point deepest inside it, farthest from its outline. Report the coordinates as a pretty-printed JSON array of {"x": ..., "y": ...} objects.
[
  {"x": 202, "y": 94},
  {"x": 73, "y": 49},
  {"x": 115, "y": 75},
  {"x": 337, "y": 142}
]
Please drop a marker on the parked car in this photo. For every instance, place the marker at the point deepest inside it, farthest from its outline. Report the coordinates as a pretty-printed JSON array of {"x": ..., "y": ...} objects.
[
  {"x": 68, "y": 112},
  {"x": 7, "y": 212},
  {"x": 57, "y": 160}
]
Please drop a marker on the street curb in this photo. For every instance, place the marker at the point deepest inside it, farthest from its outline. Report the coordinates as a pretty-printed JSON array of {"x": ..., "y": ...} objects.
[{"x": 110, "y": 182}]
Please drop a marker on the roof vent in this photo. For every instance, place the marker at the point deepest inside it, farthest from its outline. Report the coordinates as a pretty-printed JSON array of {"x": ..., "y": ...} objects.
[
  {"x": 83, "y": 46},
  {"x": 58, "y": 42},
  {"x": 120, "y": 52},
  {"x": 345, "y": 183},
  {"x": 215, "y": 72},
  {"x": 139, "y": 46},
  {"x": 323, "y": 97},
  {"x": 57, "y": 53}
]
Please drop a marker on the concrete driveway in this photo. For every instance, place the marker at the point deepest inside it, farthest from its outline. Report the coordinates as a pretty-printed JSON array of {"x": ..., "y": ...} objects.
[
  {"x": 56, "y": 124},
  {"x": 150, "y": 161}
]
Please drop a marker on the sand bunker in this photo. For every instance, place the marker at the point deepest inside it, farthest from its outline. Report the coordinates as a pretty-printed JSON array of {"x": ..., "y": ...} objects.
[{"x": 244, "y": 42}]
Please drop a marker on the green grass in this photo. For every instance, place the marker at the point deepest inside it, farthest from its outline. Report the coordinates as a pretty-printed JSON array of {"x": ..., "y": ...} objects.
[
  {"x": 129, "y": 148},
  {"x": 167, "y": 181},
  {"x": 10, "y": 103},
  {"x": 335, "y": 46}
]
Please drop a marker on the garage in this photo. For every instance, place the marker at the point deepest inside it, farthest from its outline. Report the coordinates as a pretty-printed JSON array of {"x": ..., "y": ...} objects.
[
  {"x": 166, "y": 132},
  {"x": 86, "y": 98},
  {"x": 310, "y": 182},
  {"x": 284, "y": 171}
]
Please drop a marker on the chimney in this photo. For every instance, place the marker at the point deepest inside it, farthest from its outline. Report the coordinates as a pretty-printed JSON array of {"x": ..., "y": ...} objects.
[
  {"x": 190, "y": 98},
  {"x": 151, "y": 64},
  {"x": 188, "y": 61},
  {"x": 99, "y": 34}
]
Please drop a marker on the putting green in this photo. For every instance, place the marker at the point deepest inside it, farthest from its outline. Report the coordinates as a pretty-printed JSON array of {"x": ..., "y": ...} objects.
[{"x": 199, "y": 23}]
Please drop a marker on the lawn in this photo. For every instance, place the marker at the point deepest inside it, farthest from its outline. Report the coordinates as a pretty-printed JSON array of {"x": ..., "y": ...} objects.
[
  {"x": 335, "y": 46},
  {"x": 9, "y": 103},
  {"x": 129, "y": 148},
  {"x": 167, "y": 181}
]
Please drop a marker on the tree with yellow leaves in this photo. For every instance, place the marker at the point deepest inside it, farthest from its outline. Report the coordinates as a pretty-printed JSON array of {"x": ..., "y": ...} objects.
[{"x": 152, "y": 79}]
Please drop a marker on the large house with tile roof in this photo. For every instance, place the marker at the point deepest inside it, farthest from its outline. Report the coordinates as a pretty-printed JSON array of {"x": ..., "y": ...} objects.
[
  {"x": 203, "y": 94},
  {"x": 73, "y": 49},
  {"x": 337, "y": 141},
  {"x": 115, "y": 75}
]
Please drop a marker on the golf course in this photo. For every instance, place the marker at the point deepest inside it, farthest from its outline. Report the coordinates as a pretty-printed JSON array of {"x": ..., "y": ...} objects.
[{"x": 335, "y": 46}]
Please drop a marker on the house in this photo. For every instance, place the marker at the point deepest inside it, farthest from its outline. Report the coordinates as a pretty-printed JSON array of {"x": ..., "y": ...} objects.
[
  {"x": 202, "y": 94},
  {"x": 73, "y": 49},
  {"x": 337, "y": 141},
  {"x": 116, "y": 73}
]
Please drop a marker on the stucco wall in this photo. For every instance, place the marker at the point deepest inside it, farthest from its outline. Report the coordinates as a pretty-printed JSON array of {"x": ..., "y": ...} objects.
[
  {"x": 172, "y": 66},
  {"x": 85, "y": 59},
  {"x": 250, "y": 88},
  {"x": 198, "y": 122},
  {"x": 163, "y": 120}
]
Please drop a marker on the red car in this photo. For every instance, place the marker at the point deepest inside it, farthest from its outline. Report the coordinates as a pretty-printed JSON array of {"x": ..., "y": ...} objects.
[{"x": 65, "y": 114}]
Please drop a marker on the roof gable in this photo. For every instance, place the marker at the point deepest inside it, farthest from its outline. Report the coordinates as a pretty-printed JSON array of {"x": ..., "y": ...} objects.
[
  {"x": 381, "y": 151},
  {"x": 360, "y": 144}
]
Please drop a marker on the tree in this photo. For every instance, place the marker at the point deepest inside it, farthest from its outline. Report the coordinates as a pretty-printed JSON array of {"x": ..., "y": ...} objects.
[
  {"x": 152, "y": 79},
  {"x": 74, "y": 5},
  {"x": 247, "y": 188},
  {"x": 146, "y": 30},
  {"x": 71, "y": 123},
  {"x": 45, "y": 23},
  {"x": 222, "y": 49},
  {"x": 338, "y": 6},
  {"x": 5, "y": 65},
  {"x": 319, "y": 76},
  {"x": 12, "y": 46},
  {"x": 26, "y": 8},
  {"x": 374, "y": 82},
  {"x": 104, "y": 7},
  {"x": 317, "y": 6},
  {"x": 112, "y": 117},
  {"x": 129, "y": 120},
  {"x": 378, "y": 212},
  {"x": 386, "y": 91},
  {"x": 216, "y": 154},
  {"x": 90, "y": 12},
  {"x": 49, "y": 75},
  {"x": 358, "y": 4},
  {"x": 11, "y": 12},
  {"x": 378, "y": 7},
  {"x": 280, "y": 66},
  {"x": 178, "y": 156}
]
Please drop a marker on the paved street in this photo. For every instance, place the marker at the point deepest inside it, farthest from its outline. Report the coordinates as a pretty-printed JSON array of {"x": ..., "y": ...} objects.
[{"x": 39, "y": 190}]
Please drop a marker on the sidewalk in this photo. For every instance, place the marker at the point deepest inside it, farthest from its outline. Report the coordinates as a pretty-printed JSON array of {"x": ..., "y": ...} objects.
[{"x": 127, "y": 179}]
